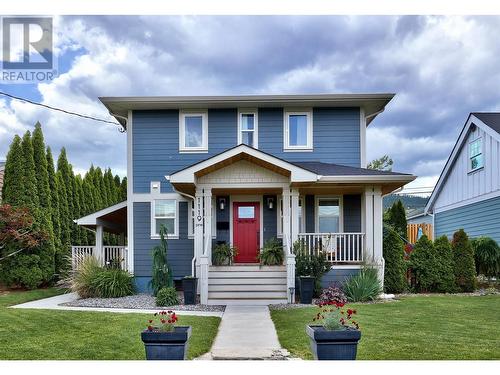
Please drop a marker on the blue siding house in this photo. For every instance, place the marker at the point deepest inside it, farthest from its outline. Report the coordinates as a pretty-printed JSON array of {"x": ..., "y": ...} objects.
[
  {"x": 467, "y": 194},
  {"x": 242, "y": 170}
]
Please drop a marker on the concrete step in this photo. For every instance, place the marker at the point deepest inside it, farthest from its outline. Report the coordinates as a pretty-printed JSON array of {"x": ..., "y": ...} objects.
[
  {"x": 247, "y": 294},
  {"x": 247, "y": 281},
  {"x": 246, "y": 301},
  {"x": 247, "y": 267},
  {"x": 247, "y": 287},
  {"x": 245, "y": 274}
]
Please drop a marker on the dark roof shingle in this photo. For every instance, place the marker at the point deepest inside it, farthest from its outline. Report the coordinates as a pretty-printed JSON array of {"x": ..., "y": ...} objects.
[
  {"x": 492, "y": 119},
  {"x": 327, "y": 169}
]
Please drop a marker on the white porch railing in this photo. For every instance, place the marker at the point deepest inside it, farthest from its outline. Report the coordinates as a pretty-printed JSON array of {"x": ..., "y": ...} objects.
[
  {"x": 109, "y": 254},
  {"x": 339, "y": 247}
]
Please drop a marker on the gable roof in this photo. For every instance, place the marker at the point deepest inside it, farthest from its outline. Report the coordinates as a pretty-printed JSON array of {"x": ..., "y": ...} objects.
[
  {"x": 309, "y": 172},
  {"x": 373, "y": 104},
  {"x": 487, "y": 121},
  {"x": 297, "y": 174}
]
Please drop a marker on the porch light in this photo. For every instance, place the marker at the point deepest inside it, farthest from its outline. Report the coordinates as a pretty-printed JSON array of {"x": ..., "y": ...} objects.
[
  {"x": 222, "y": 203},
  {"x": 270, "y": 203}
]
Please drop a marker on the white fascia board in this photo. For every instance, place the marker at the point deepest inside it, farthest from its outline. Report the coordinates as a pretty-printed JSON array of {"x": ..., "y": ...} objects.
[
  {"x": 297, "y": 174},
  {"x": 453, "y": 156},
  {"x": 92, "y": 218}
]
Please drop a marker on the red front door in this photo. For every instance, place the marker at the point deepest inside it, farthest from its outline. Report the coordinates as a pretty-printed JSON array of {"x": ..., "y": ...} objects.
[{"x": 246, "y": 231}]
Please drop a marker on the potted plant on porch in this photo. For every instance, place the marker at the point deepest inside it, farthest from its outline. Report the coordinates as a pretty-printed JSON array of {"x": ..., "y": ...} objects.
[
  {"x": 309, "y": 269},
  {"x": 223, "y": 254},
  {"x": 337, "y": 338},
  {"x": 163, "y": 340}
]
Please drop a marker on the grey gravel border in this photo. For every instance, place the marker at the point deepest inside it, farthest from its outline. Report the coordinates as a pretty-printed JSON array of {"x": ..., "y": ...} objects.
[{"x": 139, "y": 301}]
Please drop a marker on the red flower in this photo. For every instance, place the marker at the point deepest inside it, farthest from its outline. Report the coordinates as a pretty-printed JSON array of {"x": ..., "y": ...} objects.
[
  {"x": 150, "y": 321},
  {"x": 150, "y": 328}
]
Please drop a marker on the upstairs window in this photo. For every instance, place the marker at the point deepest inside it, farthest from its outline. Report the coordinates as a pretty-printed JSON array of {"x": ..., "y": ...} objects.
[
  {"x": 193, "y": 132},
  {"x": 248, "y": 128},
  {"x": 298, "y": 131},
  {"x": 475, "y": 155},
  {"x": 164, "y": 213}
]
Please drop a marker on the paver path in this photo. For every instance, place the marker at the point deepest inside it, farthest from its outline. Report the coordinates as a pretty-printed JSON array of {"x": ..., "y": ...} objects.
[{"x": 246, "y": 332}]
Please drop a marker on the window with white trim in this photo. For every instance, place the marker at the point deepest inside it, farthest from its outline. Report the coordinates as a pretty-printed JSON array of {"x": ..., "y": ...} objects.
[
  {"x": 191, "y": 219},
  {"x": 475, "y": 155},
  {"x": 298, "y": 130},
  {"x": 164, "y": 212},
  {"x": 193, "y": 131},
  {"x": 328, "y": 215},
  {"x": 302, "y": 224},
  {"x": 248, "y": 128}
]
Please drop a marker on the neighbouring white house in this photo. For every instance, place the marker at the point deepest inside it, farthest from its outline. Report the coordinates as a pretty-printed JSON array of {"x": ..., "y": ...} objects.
[
  {"x": 467, "y": 194},
  {"x": 242, "y": 170}
]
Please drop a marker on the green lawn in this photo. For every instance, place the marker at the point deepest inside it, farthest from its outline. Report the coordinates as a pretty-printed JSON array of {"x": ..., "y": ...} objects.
[
  {"x": 48, "y": 334},
  {"x": 434, "y": 327}
]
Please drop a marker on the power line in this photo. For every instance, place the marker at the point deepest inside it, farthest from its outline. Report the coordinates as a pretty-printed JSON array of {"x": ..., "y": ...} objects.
[{"x": 60, "y": 110}]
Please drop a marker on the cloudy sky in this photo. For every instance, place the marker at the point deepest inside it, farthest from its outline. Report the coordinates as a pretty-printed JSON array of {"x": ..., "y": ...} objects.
[{"x": 441, "y": 68}]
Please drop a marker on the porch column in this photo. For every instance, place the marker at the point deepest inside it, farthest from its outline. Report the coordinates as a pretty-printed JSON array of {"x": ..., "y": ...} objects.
[
  {"x": 374, "y": 229},
  {"x": 207, "y": 196},
  {"x": 295, "y": 216},
  {"x": 286, "y": 218},
  {"x": 287, "y": 241},
  {"x": 98, "y": 244},
  {"x": 198, "y": 229}
]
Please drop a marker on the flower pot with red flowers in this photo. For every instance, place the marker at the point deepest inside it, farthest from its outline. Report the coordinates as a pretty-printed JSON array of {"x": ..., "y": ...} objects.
[
  {"x": 163, "y": 340},
  {"x": 337, "y": 338}
]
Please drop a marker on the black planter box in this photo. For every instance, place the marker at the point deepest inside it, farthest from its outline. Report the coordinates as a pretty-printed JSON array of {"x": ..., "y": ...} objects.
[
  {"x": 333, "y": 345},
  {"x": 166, "y": 345},
  {"x": 189, "y": 288},
  {"x": 306, "y": 289}
]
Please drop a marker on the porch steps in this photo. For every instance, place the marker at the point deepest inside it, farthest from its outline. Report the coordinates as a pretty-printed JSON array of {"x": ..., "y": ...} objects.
[{"x": 248, "y": 284}]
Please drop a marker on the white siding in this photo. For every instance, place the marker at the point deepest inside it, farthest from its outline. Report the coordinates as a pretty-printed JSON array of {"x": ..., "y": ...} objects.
[{"x": 462, "y": 186}]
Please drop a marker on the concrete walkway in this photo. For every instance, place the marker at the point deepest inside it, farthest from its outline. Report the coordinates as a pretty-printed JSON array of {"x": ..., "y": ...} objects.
[
  {"x": 247, "y": 332},
  {"x": 53, "y": 303}
]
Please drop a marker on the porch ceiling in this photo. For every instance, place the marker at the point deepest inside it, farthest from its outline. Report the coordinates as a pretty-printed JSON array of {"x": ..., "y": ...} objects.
[{"x": 113, "y": 219}]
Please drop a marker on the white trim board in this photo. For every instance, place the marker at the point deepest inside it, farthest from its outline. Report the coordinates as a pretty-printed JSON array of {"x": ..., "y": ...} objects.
[
  {"x": 130, "y": 194},
  {"x": 92, "y": 218}
]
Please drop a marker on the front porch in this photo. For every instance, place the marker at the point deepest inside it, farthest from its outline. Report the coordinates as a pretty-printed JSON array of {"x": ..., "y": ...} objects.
[
  {"x": 318, "y": 207},
  {"x": 112, "y": 220}
]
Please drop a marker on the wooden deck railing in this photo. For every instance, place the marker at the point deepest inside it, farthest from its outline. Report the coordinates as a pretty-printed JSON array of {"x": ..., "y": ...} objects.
[
  {"x": 340, "y": 248},
  {"x": 109, "y": 254}
]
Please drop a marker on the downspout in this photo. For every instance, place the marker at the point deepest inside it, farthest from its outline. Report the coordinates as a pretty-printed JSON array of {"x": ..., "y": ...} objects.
[{"x": 193, "y": 261}]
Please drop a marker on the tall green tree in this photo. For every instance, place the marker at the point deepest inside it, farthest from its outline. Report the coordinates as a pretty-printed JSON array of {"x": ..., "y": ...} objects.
[
  {"x": 123, "y": 188},
  {"x": 383, "y": 163},
  {"x": 444, "y": 259},
  {"x": 13, "y": 177},
  {"x": 395, "y": 267},
  {"x": 47, "y": 247},
  {"x": 28, "y": 195},
  {"x": 54, "y": 199},
  {"x": 397, "y": 218},
  {"x": 424, "y": 265},
  {"x": 464, "y": 266}
]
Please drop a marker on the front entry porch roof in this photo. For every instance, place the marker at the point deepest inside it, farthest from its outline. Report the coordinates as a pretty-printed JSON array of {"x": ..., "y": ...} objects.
[
  {"x": 297, "y": 173},
  {"x": 113, "y": 219}
]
